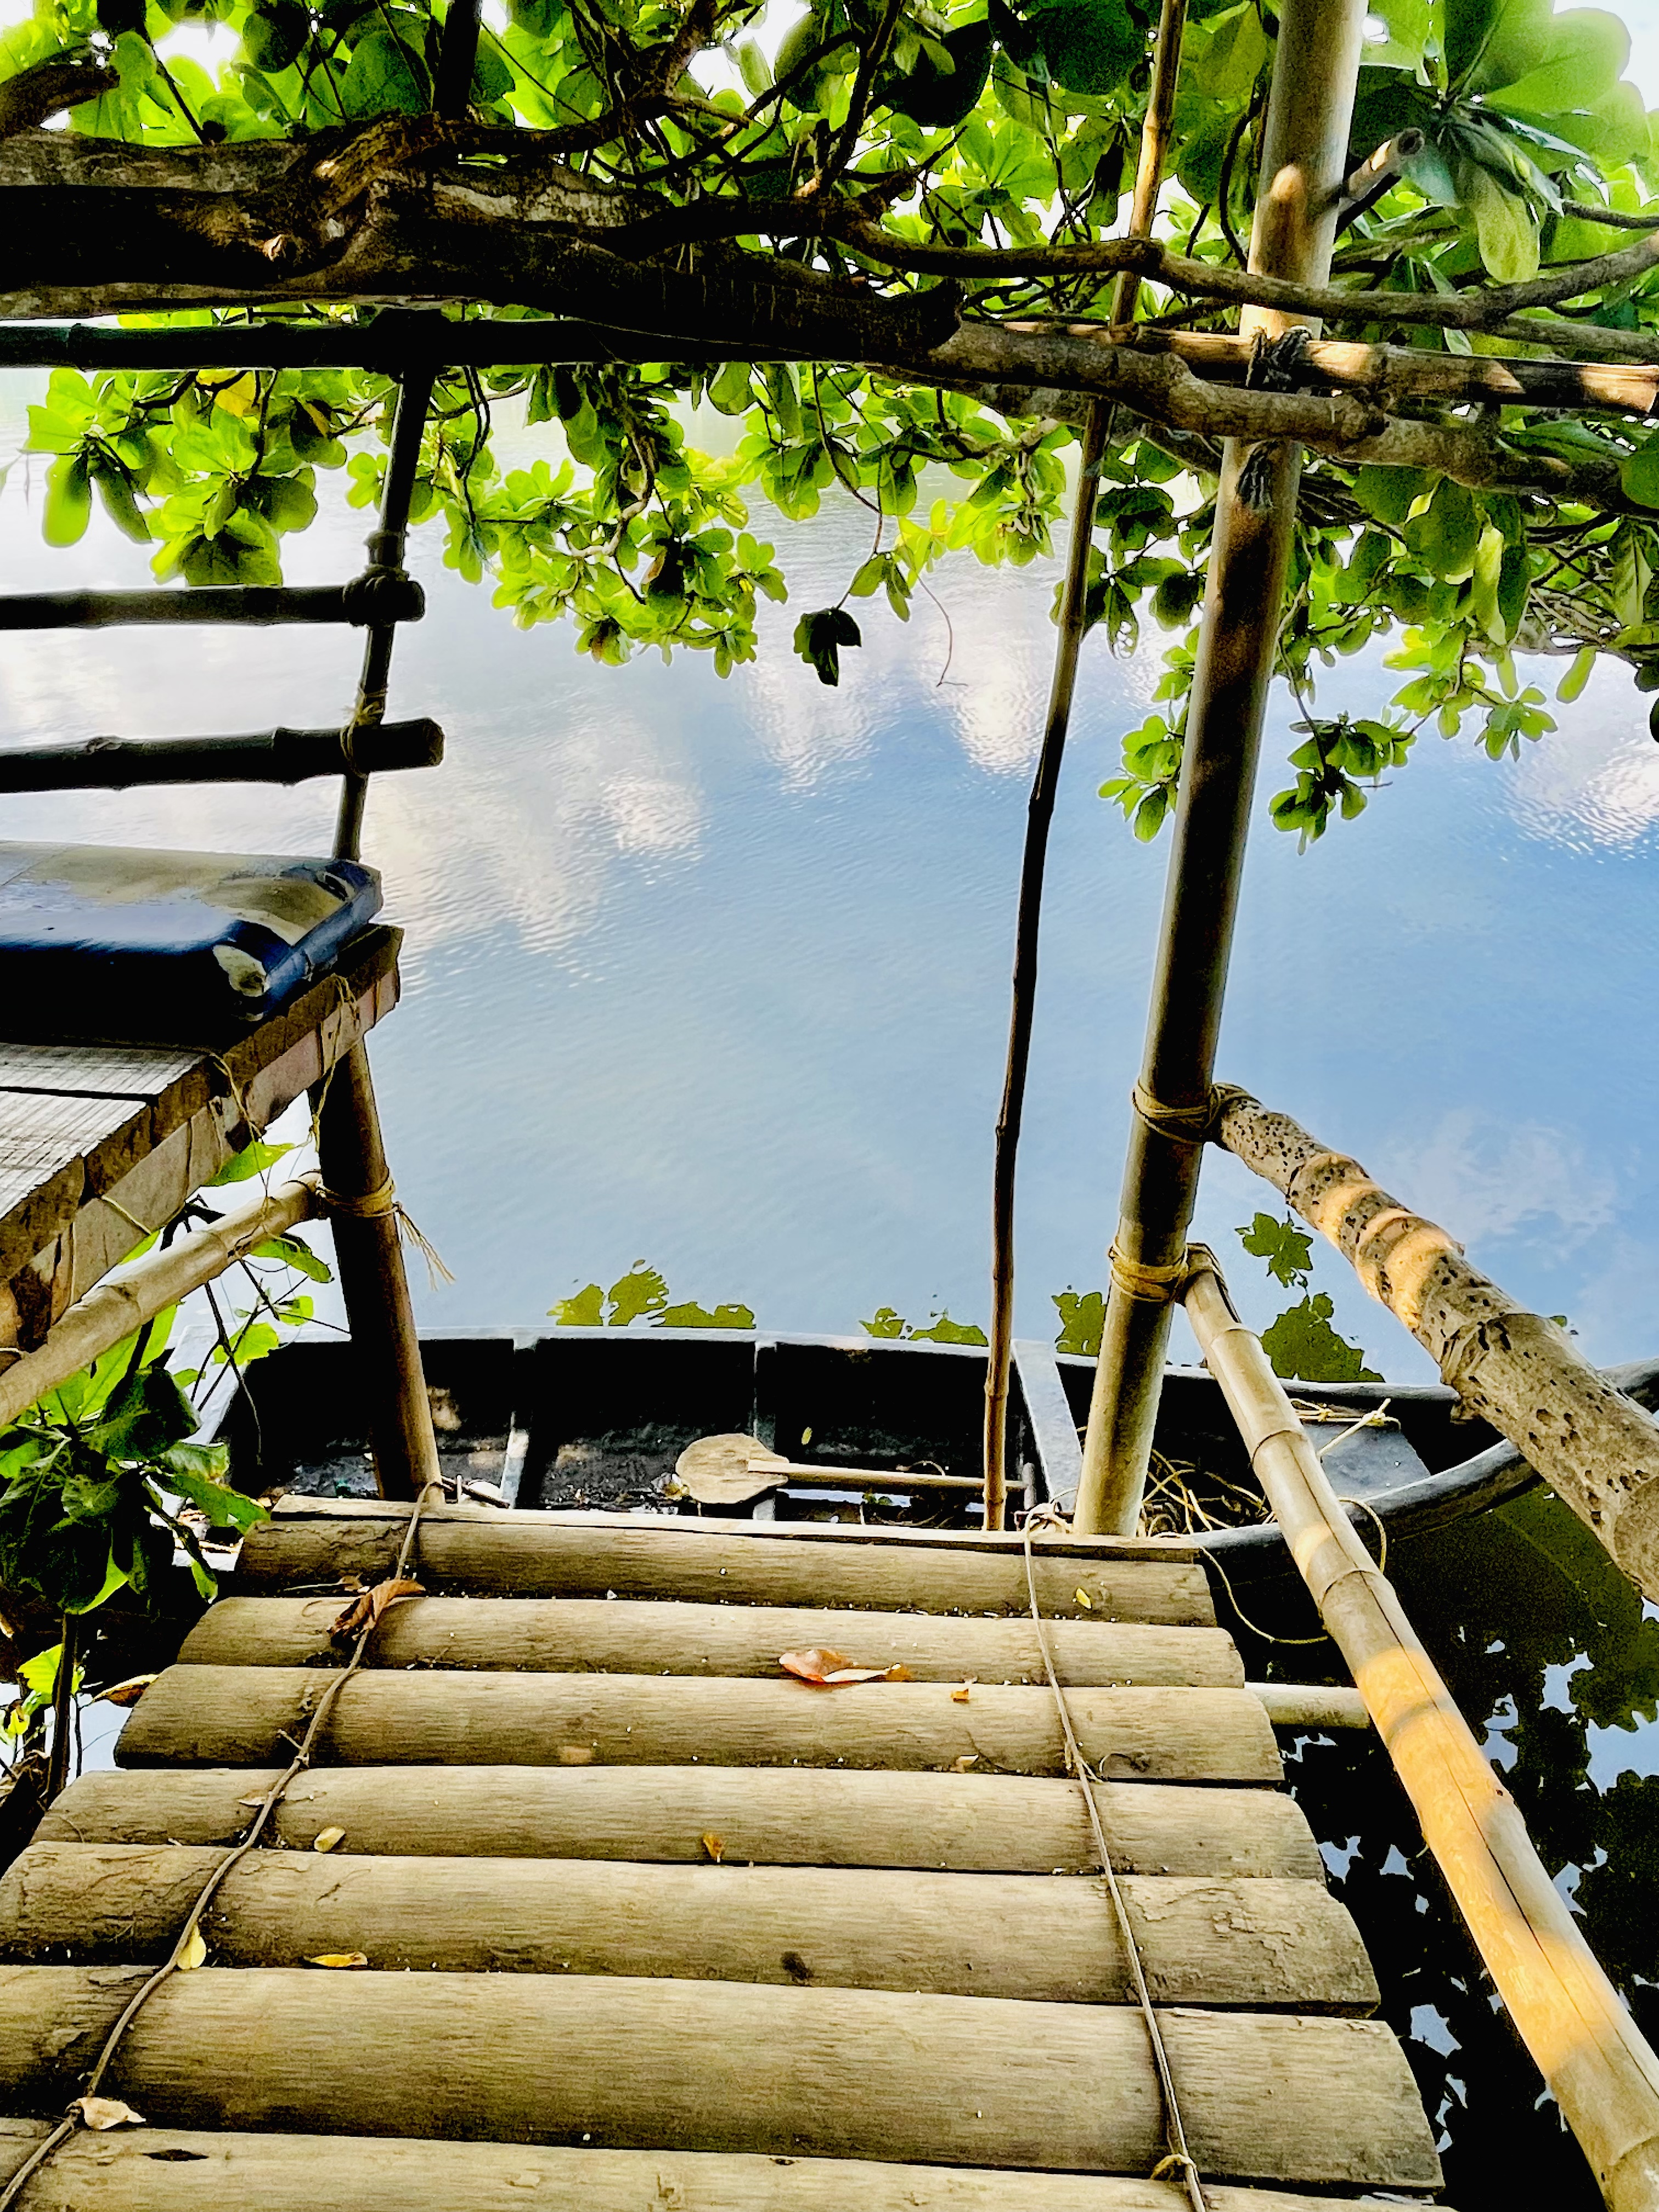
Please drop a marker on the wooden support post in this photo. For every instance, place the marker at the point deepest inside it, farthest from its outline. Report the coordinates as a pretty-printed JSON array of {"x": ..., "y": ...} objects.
[
  {"x": 1597, "y": 2065},
  {"x": 1154, "y": 137},
  {"x": 368, "y": 1247},
  {"x": 1304, "y": 161}
]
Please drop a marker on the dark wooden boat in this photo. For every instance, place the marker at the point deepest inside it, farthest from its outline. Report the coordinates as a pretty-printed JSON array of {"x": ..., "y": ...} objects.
[{"x": 574, "y": 1419}]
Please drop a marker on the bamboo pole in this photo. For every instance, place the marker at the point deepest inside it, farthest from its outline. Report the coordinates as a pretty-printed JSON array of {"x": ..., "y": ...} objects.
[
  {"x": 369, "y": 1248},
  {"x": 278, "y": 755},
  {"x": 1303, "y": 163},
  {"x": 1039, "y": 808},
  {"x": 1595, "y": 1447},
  {"x": 129, "y": 1297},
  {"x": 1597, "y": 2066}
]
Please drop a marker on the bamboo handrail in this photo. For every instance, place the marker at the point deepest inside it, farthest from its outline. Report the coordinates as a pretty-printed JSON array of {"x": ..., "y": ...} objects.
[
  {"x": 1596, "y": 2064},
  {"x": 1304, "y": 160},
  {"x": 1595, "y": 1447},
  {"x": 1040, "y": 809},
  {"x": 130, "y": 1296}
]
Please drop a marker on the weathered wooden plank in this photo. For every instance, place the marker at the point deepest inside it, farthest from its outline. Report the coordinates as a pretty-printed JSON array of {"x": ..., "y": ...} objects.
[
  {"x": 726, "y": 2066},
  {"x": 653, "y": 1637},
  {"x": 778, "y": 1815},
  {"x": 60, "y": 1236},
  {"x": 239, "y": 1715},
  {"x": 41, "y": 1136},
  {"x": 487, "y": 1554},
  {"x": 109, "y": 1071},
  {"x": 1262, "y": 1945},
  {"x": 177, "y": 2169}
]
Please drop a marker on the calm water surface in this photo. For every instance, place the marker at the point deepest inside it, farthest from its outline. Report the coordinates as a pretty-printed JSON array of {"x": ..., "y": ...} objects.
[{"x": 715, "y": 975}]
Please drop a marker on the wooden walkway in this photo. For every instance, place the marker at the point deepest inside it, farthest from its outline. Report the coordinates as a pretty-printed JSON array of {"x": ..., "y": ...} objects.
[
  {"x": 99, "y": 1141},
  {"x": 650, "y": 1927}
]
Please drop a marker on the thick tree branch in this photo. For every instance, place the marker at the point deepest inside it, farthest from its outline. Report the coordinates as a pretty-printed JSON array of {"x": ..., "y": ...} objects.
[{"x": 60, "y": 82}]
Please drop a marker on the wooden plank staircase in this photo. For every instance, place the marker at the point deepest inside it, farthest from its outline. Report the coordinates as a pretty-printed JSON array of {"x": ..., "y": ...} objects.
[{"x": 651, "y": 1927}]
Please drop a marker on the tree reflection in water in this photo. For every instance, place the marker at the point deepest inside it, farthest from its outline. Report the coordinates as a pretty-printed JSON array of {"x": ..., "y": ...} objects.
[{"x": 1554, "y": 1660}]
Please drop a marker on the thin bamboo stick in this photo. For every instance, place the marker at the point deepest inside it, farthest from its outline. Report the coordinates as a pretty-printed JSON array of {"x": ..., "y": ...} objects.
[
  {"x": 1598, "y": 2067},
  {"x": 1304, "y": 161},
  {"x": 1595, "y": 1447},
  {"x": 129, "y": 1297},
  {"x": 1039, "y": 808}
]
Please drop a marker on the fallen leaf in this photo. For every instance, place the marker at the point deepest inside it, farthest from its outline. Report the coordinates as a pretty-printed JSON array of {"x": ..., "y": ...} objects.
[
  {"x": 194, "y": 1953},
  {"x": 364, "y": 1612},
  {"x": 108, "y": 2113},
  {"x": 961, "y": 1765},
  {"x": 575, "y": 1754},
  {"x": 1084, "y": 1598},
  {"x": 255, "y": 1801},
  {"x": 124, "y": 1693},
  {"x": 339, "y": 1958},
  {"x": 715, "y": 1847},
  {"x": 829, "y": 1670},
  {"x": 325, "y": 1838},
  {"x": 960, "y": 1697}
]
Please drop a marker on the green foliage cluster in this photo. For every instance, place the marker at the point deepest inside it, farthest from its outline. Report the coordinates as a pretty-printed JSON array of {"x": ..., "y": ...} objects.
[
  {"x": 1302, "y": 1343},
  {"x": 643, "y": 1291},
  {"x": 957, "y": 125}
]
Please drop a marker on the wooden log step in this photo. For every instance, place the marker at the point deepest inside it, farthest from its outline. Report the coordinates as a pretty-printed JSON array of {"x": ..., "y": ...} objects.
[
  {"x": 480, "y": 1550},
  {"x": 178, "y": 2170},
  {"x": 632, "y": 1636},
  {"x": 1262, "y": 1945},
  {"x": 243, "y": 1716},
  {"x": 720, "y": 2067},
  {"x": 778, "y": 1815}
]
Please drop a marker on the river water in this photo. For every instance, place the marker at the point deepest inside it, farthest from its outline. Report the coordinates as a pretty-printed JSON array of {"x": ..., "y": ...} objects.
[{"x": 714, "y": 976}]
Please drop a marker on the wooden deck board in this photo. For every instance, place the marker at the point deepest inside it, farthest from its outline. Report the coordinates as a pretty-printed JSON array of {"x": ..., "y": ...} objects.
[
  {"x": 579, "y": 1988},
  {"x": 94, "y": 1138}
]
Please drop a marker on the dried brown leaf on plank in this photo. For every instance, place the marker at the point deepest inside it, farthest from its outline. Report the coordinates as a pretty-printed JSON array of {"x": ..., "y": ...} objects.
[
  {"x": 339, "y": 1958},
  {"x": 961, "y": 1697},
  {"x": 194, "y": 1953},
  {"x": 365, "y": 1611},
  {"x": 832, "y": 1670},
  {"x": 325, "y": 1838},
  {"x": 124, "y": 1693},
  {"x": 100, "y": 2112},
  {"x": 714, "y": 1845}
]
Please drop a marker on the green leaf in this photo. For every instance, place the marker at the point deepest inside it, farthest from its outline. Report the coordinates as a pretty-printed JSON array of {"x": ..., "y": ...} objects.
[
  {"x": 640, "y": 1290},
  {"x": 1089, "y": 45},
  {"x": 291, "y": 1252},
  {"x": 1302, "y": 1345},
  {"x": 1572, "y": 683},
  {"x": 692, "y": 1316},
  {"x": 820, "y": 636},
  {"x": 223, "y": 1507},
  {"x": 1286, "y": 1249},
  {"x": 1503, "y": 225},
  {"x": 946, "y": 1330},
  {"x": 69, "y": 501},
  {"x": 254, "y": 1159},
  {"x": 585, "y": 1309},
  {"x": 385, "y": 75},
  {"x": 1639, "y": 475},
  {"x": 273, "y": 35},
  {"x": 885, "y": 1324},
  {"x": 1082, "y": 1319}
]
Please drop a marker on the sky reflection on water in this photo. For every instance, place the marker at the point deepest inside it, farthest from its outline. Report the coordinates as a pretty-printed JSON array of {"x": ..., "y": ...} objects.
[{"x": 715, "y": 975}]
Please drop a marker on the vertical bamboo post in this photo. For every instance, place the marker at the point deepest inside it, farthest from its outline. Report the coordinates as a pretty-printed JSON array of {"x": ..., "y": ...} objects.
[
  {"x": 1598, "y": 2067},
  {"x": 1303, "y": 163},
  {"x": 385, "y": 1346},
  {"x": 1040, "y": 809}
]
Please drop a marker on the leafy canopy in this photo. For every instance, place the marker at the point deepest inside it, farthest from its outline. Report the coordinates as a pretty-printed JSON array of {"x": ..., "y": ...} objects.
[{"x": 902, "y": 138}]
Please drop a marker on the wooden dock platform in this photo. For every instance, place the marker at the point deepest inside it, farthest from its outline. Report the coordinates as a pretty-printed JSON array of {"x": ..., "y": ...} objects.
[{"x": 650, "y": 1926}]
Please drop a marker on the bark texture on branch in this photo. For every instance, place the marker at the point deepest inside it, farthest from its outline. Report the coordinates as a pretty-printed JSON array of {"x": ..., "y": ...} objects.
[{"x": 1595, "y": 1447}]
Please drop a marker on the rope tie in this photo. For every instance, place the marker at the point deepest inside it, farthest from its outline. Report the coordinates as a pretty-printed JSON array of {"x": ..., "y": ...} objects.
[
  {"x": 1182, "y": 1125},
  {"x": 376, "y": 1206},
  {"x": 1155, "y": 1285},
  {"x": 76, "y": 2118},
  {"x": 1178, "y": 2158}
]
